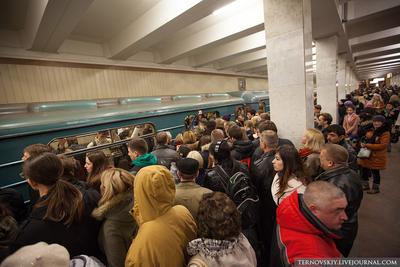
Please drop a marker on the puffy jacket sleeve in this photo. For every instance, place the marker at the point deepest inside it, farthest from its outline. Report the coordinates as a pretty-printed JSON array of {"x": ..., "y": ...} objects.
[{"x": 384, "y": 140}]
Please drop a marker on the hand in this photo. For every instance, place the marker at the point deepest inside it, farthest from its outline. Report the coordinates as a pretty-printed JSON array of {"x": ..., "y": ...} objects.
[{"x": 363, "y": 144}]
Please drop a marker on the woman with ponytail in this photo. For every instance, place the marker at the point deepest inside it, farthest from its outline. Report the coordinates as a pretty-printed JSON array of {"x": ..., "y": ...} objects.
[{"x": 59, "y": 216}]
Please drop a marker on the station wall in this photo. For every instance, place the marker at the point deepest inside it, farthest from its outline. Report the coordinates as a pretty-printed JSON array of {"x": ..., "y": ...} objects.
[{"x": 26, "y": 83}]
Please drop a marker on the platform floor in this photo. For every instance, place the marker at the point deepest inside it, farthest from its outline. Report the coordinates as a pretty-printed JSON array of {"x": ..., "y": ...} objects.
[{"x": 379, "y": 215}]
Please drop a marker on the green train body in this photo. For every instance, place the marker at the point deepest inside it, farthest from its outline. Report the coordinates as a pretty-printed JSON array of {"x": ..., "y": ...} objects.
[{"x": 22, "y": 125}]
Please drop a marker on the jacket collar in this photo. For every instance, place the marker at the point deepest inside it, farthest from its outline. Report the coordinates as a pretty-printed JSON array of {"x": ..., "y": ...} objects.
[
  {"x": 315, "y": 221},
  {"x": 326, "y": 175}
]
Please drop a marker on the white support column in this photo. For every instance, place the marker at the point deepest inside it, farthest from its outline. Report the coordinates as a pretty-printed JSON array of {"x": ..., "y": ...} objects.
[
  {"x": 341, "y": 76},
  {"x": 288, "y": 34},
  {"x": 326, "y": 75},
  {"x": 347, "y": 78}
]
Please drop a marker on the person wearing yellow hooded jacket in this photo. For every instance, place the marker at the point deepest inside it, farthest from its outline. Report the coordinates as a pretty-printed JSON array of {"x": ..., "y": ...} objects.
[{"x": 164, "y": 229}]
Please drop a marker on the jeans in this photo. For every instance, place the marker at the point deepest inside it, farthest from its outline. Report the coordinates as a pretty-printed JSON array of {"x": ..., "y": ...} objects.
[{"x": 366, "y": 173}]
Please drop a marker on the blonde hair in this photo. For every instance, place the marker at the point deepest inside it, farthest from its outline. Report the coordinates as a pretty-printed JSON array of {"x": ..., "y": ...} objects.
[
  {"x": 115, "y": 181},
  {"x": 197, "y": 156},
  {"x": 189, "y": 137},
  {"x": 315, "y": 140}
]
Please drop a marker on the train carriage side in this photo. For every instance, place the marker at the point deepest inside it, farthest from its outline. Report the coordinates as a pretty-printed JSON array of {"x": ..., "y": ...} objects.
[
  {"x": 257, "y": 100},
  {"x": 55, "y": 120}
]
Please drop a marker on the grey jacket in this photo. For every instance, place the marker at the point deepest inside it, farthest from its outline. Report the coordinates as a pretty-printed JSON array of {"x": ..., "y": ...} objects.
[{"x": 118, "y": 228}]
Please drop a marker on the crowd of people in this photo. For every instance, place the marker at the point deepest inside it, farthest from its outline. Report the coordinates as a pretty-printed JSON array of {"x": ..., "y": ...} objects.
[{"x": 223, "y": 193}]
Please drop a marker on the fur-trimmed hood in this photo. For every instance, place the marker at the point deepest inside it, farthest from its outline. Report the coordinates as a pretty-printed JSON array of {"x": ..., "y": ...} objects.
[{"x": 116, "y": 208}]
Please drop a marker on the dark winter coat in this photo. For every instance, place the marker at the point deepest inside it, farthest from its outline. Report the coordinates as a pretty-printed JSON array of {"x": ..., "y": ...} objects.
[
  {"x": 350, "y": 183},
  {"x": 165, "y": 155},
  {"x": 78, "y": 238},
  {"x": 242, "y": 149}
]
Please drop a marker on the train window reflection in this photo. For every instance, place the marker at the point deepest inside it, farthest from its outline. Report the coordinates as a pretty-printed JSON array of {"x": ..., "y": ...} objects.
[{"x": 73, "y": 143}]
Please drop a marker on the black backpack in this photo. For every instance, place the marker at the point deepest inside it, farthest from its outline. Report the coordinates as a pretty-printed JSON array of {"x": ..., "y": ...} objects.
[{"x": 240, "y": 189}]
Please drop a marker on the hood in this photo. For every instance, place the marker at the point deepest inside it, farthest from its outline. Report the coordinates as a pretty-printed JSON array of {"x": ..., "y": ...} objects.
[
  {"x": 154, "y": 191},
  {"x": 145, "y": 160},
  {"x": 293, "y": 214},
  {"x": 243, "y": 147}
]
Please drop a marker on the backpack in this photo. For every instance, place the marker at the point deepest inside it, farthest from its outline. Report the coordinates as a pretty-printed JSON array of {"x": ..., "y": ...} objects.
[{"x": 240, "y": 189}]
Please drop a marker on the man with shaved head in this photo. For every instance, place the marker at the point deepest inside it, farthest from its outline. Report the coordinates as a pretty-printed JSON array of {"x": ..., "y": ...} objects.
[
  {"x": 334, "y": 160},
  {"x": 307, "y": 225}
]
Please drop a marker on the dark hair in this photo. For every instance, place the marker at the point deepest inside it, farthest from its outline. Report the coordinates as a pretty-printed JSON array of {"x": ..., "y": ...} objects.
[
  {"x": 138, "y": 144},
  {"x": 211, "y": 125},
  {"x": 183, "y": 151},
  {"x": 37, "y": 149},
  {"x": 235, "y": 132},
  {"x": 100, "y": 163},
  {"x": 64, "y": 202},
  {"x": 162, "y": 138},
  {"x": 292, "y": 165},
  {"x": 69, "y": 167},
  {"x": 336, "y": 128},
  {"x": 221, "y": 151},
  {"x": 265, "y": 116},
  {"x": 267, "y": 125},
  {"x": 218, "y": 217},
  {"x": 327, "y": 117},
  {"x": 204, "y": 140},
  {"x": 318, "y": 107}
]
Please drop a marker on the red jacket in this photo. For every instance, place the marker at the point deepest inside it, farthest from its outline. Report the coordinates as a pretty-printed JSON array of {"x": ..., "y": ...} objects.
[{"x": 300, "y": 234}]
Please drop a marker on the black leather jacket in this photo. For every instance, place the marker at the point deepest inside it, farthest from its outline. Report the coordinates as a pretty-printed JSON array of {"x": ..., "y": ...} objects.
[
  {"x": 350, "y": 183},
  {"x": 242, "y": 149}
]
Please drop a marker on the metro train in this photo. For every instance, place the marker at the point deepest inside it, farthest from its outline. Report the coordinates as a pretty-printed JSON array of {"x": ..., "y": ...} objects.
[{"x": 54, "y": 122}]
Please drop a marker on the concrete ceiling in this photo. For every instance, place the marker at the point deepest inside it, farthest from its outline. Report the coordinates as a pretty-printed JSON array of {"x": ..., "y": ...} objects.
[{"x": 189, "y": 34}]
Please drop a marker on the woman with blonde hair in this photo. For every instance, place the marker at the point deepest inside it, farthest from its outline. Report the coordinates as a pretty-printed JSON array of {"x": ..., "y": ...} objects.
[
  {"x": 313, "y": 140},
  {"x": 118, "y": 226}
]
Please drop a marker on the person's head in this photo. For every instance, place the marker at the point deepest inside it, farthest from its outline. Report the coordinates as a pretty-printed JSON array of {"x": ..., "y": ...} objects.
[
  {"x": 35, "y": 150},
  {"x": 69, "y": 166},
  {"x": 250, "y": 114},
  {"x": 266, "y": 125},
  {"x": 114, "y": 182},
  {"x": 265, "y": 116},
  {"x": 211, "y": 125},
  {"x": 389, "y": 106},
  {"x": 162, "y": 138},
  {"x": 350, "y": 109},
  {"x": 183, "y": 151},
  {"x": 203, "y": 123},
  {"x": 228, "y": 125},
  {"x": 336, "y": 133},
  {"x": 204, "y": 140},
  {"x": 64, "y": 202},
  {"x": 268, "y": 140},
  {"x": 378, "y": 121},
  {"x": 287, "y": 163},
  {"x": 188, "y": 169},
  {"x": 40, "y": 254},
  {"x": 317, "y": 109},
  {"x": 218, "y": 217},
  {"x": 324, "y": 119},
  {"x": 189, "y": 137},
  {"x": 235, "y": 133},
  {"x": 313, "y": 140},
  {"x": 194, "y": 154},
  {"x": 327, "y": 202},
  {"x": 137, "y": 147},
  {"x": 154, "y": 193},
  {"x": 248, "y": 125},
  {"x": 220, "y": 151},
  {"x": 96, "y": 162},
  {"x": 332, "y": 156},
  {"x": 217, "y": 135},
  {"x": 219, "y": 123}
]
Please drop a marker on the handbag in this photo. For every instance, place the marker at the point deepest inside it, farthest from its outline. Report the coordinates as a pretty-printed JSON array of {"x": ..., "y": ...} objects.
[{"x": 364, "y": 153}]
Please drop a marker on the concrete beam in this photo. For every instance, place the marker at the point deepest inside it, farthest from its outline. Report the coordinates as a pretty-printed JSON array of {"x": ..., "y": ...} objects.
[
  {"x": 50, "y": 22},
  {"x": 378, "y": 59},
  {"x": 246, "y": 22},
  {"x": 391, "y": 40},
  {"x": 164, "y": 19},
  {"x": 377, "y": 54},
  {"x": 243, "y": 59},
  {"x": 250, "y": 43},
  {"x": 375, "y": 22},
  {"x": 251, "y": 65}
]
